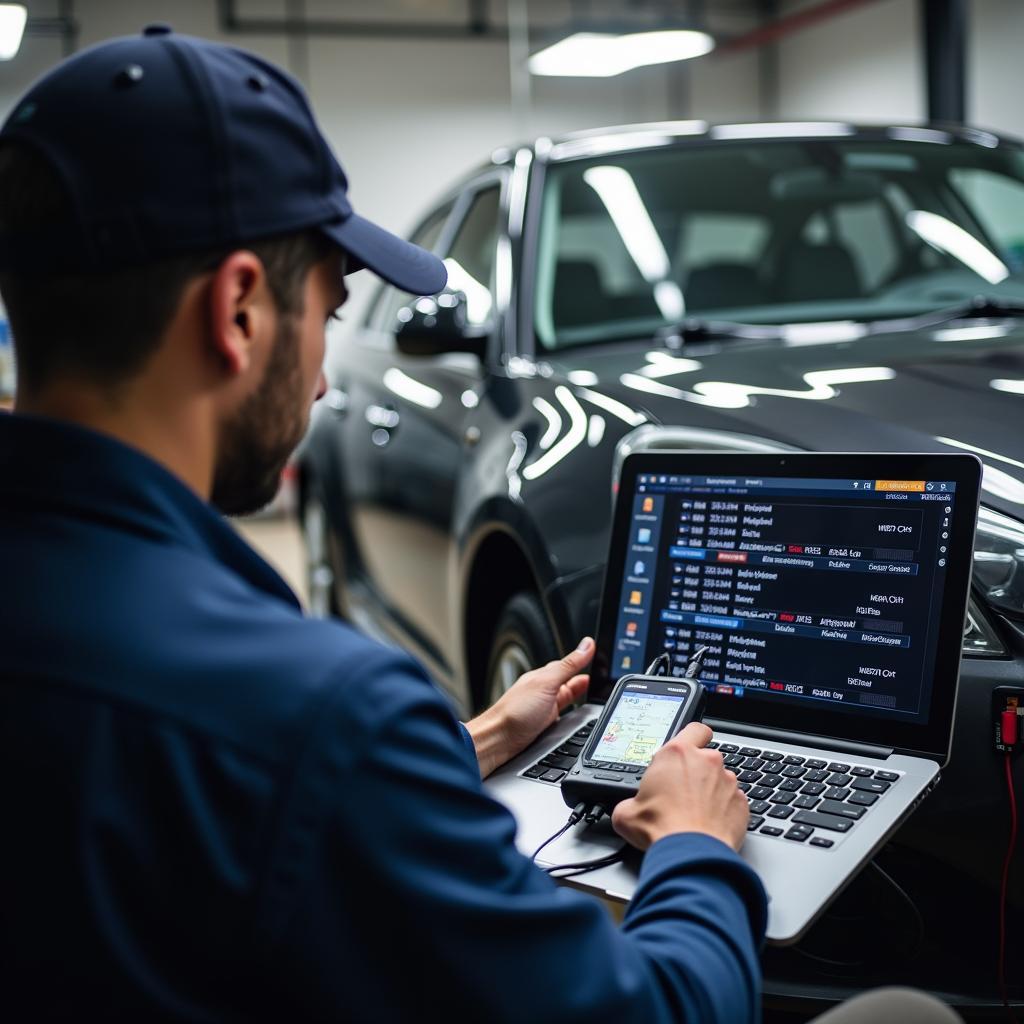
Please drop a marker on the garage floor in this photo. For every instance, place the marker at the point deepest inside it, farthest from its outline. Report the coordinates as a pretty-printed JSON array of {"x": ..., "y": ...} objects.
[{"x": 279, "y": 540}]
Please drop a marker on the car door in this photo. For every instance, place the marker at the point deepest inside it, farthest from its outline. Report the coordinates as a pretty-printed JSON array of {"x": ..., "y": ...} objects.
[{"x": 408, "y": 418}]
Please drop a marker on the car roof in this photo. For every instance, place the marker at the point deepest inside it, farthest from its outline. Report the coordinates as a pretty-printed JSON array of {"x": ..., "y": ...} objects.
[{"x": 630, "y": 137}]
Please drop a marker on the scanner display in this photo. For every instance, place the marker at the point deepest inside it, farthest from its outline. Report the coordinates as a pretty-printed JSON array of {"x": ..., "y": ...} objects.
[
  {"x": 824, "y": 591},
  {"x": 638, "y": 726}
]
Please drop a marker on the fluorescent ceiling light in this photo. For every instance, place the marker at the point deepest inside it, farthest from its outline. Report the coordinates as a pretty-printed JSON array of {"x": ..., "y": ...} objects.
[
  {"x": 950, "y": 238},
  {"x": 12, "y": 28},
  {"x": 602, "y": 55}
]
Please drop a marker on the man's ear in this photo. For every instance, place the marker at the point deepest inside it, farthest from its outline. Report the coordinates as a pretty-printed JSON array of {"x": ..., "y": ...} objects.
[{"x": 238, "y": 309}]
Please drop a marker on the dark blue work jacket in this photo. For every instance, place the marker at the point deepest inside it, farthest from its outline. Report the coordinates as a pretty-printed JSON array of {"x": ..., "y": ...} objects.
[{"x": 215, "y": 809}]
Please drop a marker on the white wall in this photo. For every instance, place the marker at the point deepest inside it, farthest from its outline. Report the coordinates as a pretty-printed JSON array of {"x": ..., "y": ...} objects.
[
  {"x": 406, "y": 116},
  {"x": 995, "y": 65},
  {"x": 868, "y": 65},
  {"x": 725, "y": 88},
  {"x": 864, "y": 65}
]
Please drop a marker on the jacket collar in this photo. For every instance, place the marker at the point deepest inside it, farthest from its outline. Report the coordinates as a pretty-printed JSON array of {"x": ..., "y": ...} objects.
[{"x": 50, "y": 466}]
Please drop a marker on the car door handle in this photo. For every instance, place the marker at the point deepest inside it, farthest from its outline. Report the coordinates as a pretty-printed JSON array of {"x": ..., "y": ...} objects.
[{"x": 383, "y": 416}]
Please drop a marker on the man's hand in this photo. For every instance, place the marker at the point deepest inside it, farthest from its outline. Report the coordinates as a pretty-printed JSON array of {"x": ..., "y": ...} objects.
[
  {"x": 685, "y": 789},
  {"x": 528, "y": 707}
]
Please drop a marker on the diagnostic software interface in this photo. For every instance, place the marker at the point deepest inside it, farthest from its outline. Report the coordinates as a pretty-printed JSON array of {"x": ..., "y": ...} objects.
[
  {"x": 805, "y": 590},
  {"x": 639, "y": 724}
]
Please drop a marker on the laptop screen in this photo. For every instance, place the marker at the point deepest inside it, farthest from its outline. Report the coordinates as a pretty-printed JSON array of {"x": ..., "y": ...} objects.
[{"x": 830, "y": 590}]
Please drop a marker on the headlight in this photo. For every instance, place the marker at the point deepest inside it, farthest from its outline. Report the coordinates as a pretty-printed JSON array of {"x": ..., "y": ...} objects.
[{"x": 999, "y": 562}]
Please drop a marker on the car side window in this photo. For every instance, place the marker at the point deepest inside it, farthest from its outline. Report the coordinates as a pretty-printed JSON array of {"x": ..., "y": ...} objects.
[
  {"x": 470, "y": 258},
  {"x": 389, "y": 300},
  {"x": 995, "y": 200}
]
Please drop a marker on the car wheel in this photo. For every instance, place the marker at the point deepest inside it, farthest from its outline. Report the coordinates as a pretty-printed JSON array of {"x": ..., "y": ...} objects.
[
  {"x": 522, "y": 641},
  {"x": 319, "y": 574}
]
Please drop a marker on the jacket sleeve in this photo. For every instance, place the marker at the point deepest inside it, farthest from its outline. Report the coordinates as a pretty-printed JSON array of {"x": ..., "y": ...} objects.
[
  {"x": 397, "y": 891},
  {"x": 467, "y": 739}
]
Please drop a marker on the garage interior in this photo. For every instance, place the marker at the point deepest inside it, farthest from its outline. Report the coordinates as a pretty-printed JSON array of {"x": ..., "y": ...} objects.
[
  {"x": 414, "y": 94},
  {"x": 851, "y": 60}
]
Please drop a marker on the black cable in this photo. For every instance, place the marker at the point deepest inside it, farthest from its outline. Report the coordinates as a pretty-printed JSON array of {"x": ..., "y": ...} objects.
[
  {"x": 584, "y": 866},
  {"x": 577, "y": 813},
  {"x": 1007, "y": 862},
  {"x": 854, "y": 964},
  {"x": 591, "y": 814},
  {"x": 660, "y": 666},
  {"x": 608, "y": 858},
  {"x": 582, "y": 871},
  {"x": 565, "y": 828},
  {"x": 919, "y": 920},
  {"x": 827, "y": 960}
]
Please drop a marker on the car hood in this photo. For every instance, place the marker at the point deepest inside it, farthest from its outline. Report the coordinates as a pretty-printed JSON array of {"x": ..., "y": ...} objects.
[{"x": 959, "y": 388}]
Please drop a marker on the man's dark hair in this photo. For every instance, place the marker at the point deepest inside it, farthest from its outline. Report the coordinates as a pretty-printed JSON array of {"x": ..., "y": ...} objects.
[{"x": 103, "y": 327}]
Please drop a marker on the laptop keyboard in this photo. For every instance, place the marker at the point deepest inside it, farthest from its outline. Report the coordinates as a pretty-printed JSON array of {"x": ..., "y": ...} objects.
[
  {"x": 553, "y": 766},
  {"x": 803, "y": 799}
]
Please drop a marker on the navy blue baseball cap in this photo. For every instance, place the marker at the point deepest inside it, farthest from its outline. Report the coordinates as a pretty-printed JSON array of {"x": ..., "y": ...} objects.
[{"x": 169, "y": 144}]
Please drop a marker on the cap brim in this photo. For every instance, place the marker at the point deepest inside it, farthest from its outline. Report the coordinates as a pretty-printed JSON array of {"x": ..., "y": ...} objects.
[{"x": 403, "y": 264}]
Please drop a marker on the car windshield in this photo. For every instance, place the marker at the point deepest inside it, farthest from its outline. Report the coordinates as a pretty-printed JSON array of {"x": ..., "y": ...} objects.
[{"x": 776, "y": 232}]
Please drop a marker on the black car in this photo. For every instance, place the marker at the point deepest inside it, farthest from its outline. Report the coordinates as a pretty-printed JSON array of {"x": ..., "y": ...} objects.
[{"x": 736, "y": 288}]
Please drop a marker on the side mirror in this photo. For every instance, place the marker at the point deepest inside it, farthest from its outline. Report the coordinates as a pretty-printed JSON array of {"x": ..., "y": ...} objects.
[{"x": 433, "y": 325}]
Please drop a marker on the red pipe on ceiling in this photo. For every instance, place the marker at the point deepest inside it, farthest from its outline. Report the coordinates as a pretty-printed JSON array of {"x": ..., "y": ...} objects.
[{"x": 786, "y": 26}]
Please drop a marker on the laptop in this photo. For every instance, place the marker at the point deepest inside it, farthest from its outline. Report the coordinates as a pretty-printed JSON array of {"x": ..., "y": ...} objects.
[{"x": 831, "y": 592}]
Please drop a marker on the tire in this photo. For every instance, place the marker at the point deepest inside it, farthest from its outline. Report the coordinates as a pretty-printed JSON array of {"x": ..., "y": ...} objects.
[
  {"x": 323, "y": 601},
  {"x": 522, "y": 641}
]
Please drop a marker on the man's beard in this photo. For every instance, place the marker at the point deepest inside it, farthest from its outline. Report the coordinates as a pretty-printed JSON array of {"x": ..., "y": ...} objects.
[{"x": 258, "y": 439}]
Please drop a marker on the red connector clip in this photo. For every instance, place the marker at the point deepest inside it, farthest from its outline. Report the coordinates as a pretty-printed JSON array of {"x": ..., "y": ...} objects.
[
  {"x": 1008, "y": 728},
  {"x": 1007, "y": 715},
  {"x": 1008, "y": 712}
]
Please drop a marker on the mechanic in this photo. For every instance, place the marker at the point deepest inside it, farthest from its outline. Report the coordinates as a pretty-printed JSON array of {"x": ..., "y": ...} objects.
[{"x": 216, "y": 808}]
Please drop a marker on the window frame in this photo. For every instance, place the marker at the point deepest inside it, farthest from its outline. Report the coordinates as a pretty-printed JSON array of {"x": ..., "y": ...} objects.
[{"x": 459, "y": 200}]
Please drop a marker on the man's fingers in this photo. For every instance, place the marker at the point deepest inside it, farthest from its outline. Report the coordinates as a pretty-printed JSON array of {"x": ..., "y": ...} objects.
[
  {"x": 580, "y": 658},
  {"x": 564, "y": 671},
  {"x": 572, "y": 691},
  {"x": 697, "y": 734},
  {"x": 620, "y": 812}
]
